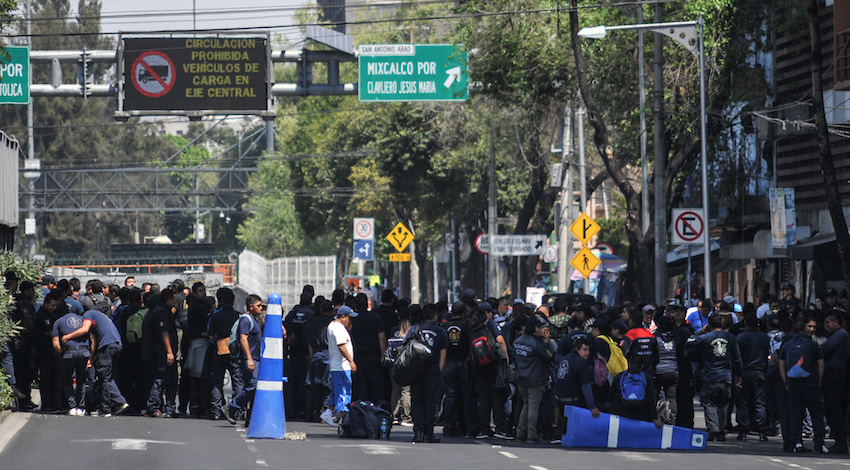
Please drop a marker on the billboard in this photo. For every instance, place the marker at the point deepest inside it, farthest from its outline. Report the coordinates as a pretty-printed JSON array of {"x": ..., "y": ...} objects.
[{"x": 196, "y": 74}]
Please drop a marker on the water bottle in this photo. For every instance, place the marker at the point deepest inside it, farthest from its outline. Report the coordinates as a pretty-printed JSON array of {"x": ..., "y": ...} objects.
[{"x": 385, "y": 429}]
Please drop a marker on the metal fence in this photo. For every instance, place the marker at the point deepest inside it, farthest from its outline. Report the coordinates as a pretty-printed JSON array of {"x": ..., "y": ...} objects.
[{"x": 286, "y": 276}]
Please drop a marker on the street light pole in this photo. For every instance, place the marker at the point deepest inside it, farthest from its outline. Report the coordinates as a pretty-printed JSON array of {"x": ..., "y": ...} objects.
[{"x": 690, "y": 35}]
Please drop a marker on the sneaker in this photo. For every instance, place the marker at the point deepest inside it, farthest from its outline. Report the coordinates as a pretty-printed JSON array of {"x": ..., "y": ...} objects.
[
  {"x": 799, "y": 449},
  {"x": 822, "y": 449},
  {"x": 482, "y": 436},
  {"x": 72, "y": 412},
  {"x": 501, "y": 435},
  {"x": 225, "y": 410},
  {"x": 762, "y": 437},
  {"x": 721, "y": 437},
  {"x": 555, "y": 441},
  {"x": 742, "y": 436},
  {"x": 712, "y": 436},
  {"x": 121, "y": 409},
  {"x": 157, "y": 414},
  {"x": 328, "y": 417}
]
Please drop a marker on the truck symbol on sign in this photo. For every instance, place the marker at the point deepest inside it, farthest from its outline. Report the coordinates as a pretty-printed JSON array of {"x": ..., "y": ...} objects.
[{"x": 145, "y": 75}]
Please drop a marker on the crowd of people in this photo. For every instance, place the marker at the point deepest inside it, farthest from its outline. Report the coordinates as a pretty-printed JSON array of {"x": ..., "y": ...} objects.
[{"x": 498, "y": 368}]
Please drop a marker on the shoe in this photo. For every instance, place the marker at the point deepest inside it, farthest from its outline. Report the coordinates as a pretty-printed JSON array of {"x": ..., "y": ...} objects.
[
  {"x": 838, "y": 449},
  {"x": 407, "y": 424},
  {"x": 328, "y": 417},
  {"x": 712, "y": 436},
  {"x": 72, "y": 412},
  {"x": 225, "y": 410},
  {"x": 721, "y": 437},
  {"x": 431, "y": 439},
  {"x": 822, "y": 449},
  {"x": 555, "y": 441},
  {"x": 536, "y": 440},
  {"x": 448, "y": 432},
  {"x": 799, "y": 449},
  {"x": 418, "y": 436},
  {"x": 762, "y": 437},
  {"x": 742, "y": 436},
  {"x": 501, "y": 435},
  {"x": 157, "y": 414},
  {"x": 121, "y": 409},
  {"x": 482, "y": 435}
]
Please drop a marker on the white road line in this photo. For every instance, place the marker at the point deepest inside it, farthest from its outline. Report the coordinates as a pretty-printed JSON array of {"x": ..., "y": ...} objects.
[
  {"x": 508, "y": 454},
  {"x": 637, "y": 456},
  {"x": 252, "y": 448},
  {"x": 262, "y": 463},
  {"x": 372, "y": 449},
  {"x": 538, "y": 467}
]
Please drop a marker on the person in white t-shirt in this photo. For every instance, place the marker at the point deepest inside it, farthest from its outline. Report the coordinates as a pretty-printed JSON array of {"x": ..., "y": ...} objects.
[{"x": 341, "y": 365}]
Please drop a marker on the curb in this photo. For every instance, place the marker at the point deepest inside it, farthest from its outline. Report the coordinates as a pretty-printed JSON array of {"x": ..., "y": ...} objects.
[{"x": 4, "y": 414}]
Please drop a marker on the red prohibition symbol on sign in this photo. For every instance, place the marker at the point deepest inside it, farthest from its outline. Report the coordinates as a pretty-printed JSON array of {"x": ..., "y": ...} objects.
[
  {"x": 153, "y": 74},
  {"x": 689, "y": 226}
]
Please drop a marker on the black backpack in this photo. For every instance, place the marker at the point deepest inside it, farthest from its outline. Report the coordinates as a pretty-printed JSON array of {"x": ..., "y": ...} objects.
[
  {"x": 102, "y": 304},
  {"x": 363, "y": 421},
  {"x": 412, "y": 359}
]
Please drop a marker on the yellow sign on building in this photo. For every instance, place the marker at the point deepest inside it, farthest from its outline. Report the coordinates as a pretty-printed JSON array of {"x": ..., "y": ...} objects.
[
  {"x": 585, "y": 261},
  {"x": 400, "y": 237}
]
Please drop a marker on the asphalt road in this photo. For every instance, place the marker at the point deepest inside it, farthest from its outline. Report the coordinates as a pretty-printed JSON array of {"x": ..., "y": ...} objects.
[{"x": 67, "y": 443}]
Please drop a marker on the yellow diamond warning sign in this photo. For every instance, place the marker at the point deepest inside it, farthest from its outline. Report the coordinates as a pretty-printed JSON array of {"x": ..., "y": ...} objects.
[
  {"x": 584, "y": 228},
  {"x": 400, "y": 237},
  {"x": 585, "y": 261}
]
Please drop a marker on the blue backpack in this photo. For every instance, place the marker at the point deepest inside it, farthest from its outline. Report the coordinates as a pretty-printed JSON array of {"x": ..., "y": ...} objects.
[
  {"x": 796, "y": 355},
  {"x": 633, "y": 389}
]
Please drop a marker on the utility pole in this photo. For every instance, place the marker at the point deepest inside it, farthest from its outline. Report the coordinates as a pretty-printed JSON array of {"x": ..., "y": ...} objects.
[
  {"x": 660, "y": 167},
  {"x": 492, "y": 260},
  {"x": 30, "y": 231},
  {"x": 582, "y": 177},
  {"x": 564, "y": 242}
]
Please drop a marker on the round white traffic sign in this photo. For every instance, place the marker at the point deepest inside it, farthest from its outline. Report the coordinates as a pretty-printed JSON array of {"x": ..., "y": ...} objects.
[
  {"x": 482, "y": 243},
  {"x": 450, "y": 241},
  {"x": 364, "y": 228},
  {"x": 688, "y": 227},
  {"x": 551, "y": 254}
]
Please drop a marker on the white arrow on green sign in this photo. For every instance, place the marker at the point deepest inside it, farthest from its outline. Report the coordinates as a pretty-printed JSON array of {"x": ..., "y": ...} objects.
[
  {"x": 412, "y": 72},
  {"x": 15, "y": 75}
]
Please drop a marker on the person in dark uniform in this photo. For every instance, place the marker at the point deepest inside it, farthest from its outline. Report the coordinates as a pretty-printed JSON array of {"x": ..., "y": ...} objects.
[
  {"x": 685, "y": 390},
  {"x": 371, "y": 381},
  {"x": 754, "y": 346},
  {"x": 457, "y": 377},
  {"x": 250, "y": 331},
  {"x": 533, "y": 357},
  {"x": 425, "y": 392},
  {"x": 161, "y": 335},
  {"x": 49, "y": 378},
  {"x": 221, "y": 322},
  {"x": 788, "y": 301},
  {"x": 572, "y": 382},
  {"x": 194, "y": 373},
  {"x": 107, "y": 347},
  {"x": 23, "y": 353},
  {"x": 75, "y": 360},
  {"x": 294, "y": 322},
  {"x": 318, "y": 382},
  {"x": 387, "y": 311},
  {"x": 836, "y": 351},
  {"x": 801, "y": 367}
]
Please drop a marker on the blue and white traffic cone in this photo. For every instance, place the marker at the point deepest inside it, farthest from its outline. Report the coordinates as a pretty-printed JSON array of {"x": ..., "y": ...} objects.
[
  {"x": 583, "y": 430},
  {"x": 268, "y": 418}
]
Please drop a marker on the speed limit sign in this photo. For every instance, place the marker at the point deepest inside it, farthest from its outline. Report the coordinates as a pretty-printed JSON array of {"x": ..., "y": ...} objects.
[{"x": 364, "y": 228}]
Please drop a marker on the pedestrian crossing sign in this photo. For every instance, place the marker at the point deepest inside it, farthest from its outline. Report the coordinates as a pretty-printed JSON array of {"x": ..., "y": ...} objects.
[{"x": 585, "y": 261}]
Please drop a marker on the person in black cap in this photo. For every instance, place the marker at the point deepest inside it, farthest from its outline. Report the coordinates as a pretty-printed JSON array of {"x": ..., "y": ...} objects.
[
  {"x": 788, "y": 301},
  {"x": 48, "y": 283},
  {"x": 425, "y": 392},
  {"x": 831, "y": 299}
]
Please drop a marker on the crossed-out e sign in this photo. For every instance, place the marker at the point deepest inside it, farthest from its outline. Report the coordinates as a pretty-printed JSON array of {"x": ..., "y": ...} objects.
[{"x": 688, "y": 227}]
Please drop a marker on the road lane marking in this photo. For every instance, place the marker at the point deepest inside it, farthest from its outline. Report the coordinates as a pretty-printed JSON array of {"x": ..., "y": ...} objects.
[
  {"x": 371, "y": 449},
  {"x": 538, "y": 467},
  {"x": 262, "y": 463},
  {"x": 508, "y": 454}
]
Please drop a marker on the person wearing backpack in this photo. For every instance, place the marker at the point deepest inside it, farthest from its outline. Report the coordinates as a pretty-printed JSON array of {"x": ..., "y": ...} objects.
[
  {"x": 633, "y": 393},
  {"x": 486, "y": 340},
  {"x": 721, "y": 366},
  {"x": 95, "y": 300},
  {"x": 801, "y": 367},
  {"x": 425, "y": 392},
  {"x": 667, "y": 371},
  {"x": 250, "y": 333},
  {"x": 532, "y": 359}
]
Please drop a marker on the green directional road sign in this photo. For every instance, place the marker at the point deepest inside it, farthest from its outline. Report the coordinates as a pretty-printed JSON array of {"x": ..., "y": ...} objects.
[
  {"x": 412, "y": 72},
  {"x": 15, "y": 75}
]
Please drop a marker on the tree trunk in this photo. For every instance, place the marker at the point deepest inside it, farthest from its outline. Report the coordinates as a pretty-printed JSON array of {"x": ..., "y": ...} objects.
[{"x": 827, "y": 165}]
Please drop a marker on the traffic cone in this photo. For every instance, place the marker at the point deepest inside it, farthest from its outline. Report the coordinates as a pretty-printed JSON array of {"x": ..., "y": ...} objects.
[
  {"x": 268, "y": 418},
  {"x": 583, "y": 430}
]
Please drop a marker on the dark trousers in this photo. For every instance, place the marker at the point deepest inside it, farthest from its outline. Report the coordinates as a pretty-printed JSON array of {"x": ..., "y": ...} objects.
[
  {"x": 296, "y": 375},
  {"x": 668, "y": 382},
  {"x": 369, "y": 382},
  {"x": 490, "y": 399},
  {"x": 715, "y": 401},
  {"x": 750, "y": 401},
  {"x": 163, "y": 391},
  {"x": 546, "y": 419},
  {"x": 459, "y": 398},
  {"x": 74, "y": 364},
  {"x": 800, "y": 398},
  {"x": 685, "y": 401},
  {"x": 424, "y": 395},
  {"x": 771, "y": 381},
  {"x": 782, "y": 407},
  {"x": 221, "y": 364},
  {"x": 131, "y": 376},
  {"x": 835, "y": 403},
  {"x": 50, "y": 382},
  {"x": 110, "y": 395},
  {"x": 24, "y": 360},
  {"x": 245, "y": 396}
]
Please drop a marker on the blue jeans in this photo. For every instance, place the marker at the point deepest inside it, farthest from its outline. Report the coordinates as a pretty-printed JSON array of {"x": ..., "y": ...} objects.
[
  {"x": 111, "y": 397},
  {"x": 342, "y": 390},
  {"x": 249, "y": 386},
  {"x": 220, "y": 365},
  {"x": 74, "y": 362},
  {"x": 163, "y": 392}
]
